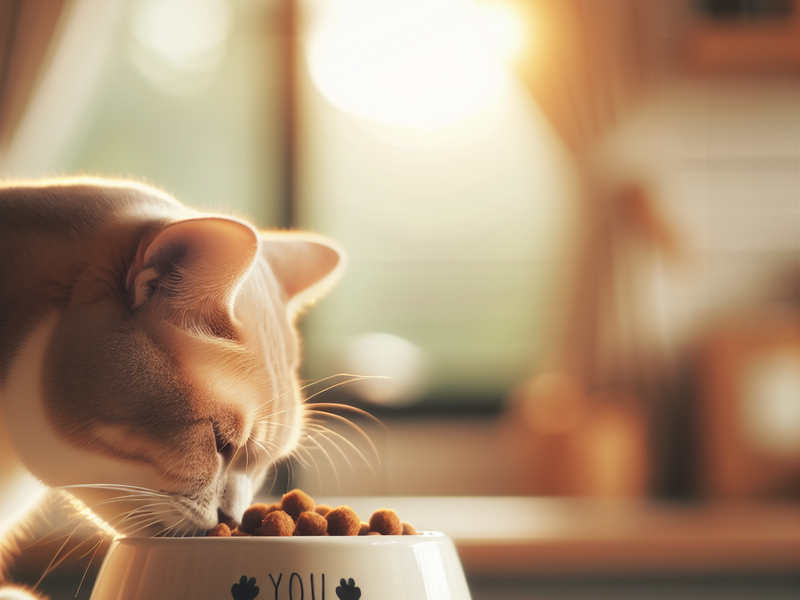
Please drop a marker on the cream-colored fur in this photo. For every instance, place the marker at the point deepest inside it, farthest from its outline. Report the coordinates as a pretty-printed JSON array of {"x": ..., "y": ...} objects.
[{"x": 148, "y": 355}]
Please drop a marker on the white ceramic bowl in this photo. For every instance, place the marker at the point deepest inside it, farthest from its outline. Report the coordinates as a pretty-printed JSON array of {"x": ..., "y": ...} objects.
[{"x": 413, "y": 567}]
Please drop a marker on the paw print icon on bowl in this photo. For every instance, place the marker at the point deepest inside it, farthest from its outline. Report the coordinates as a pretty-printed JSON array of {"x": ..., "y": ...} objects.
[
  {"x": 347, "y": 590},
  {"x": 246, "y": 589}
]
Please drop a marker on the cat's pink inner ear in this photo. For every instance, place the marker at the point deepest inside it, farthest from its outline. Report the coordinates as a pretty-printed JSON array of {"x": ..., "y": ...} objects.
[
  {"x": 304, "y": 264},
  {"x": 138, "y": 261},
  {"x": 211, "y": 253}
]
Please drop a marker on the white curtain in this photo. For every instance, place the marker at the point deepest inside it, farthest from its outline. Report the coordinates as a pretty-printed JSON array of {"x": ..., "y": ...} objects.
[{"x": 52, "y": 54}]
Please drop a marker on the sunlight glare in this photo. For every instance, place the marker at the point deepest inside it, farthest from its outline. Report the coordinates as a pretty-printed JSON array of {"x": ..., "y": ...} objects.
[
  {"x": 179, "y": 44},
  {"x": 506, "y": 31},
  {"x": 410, "y": 63}
]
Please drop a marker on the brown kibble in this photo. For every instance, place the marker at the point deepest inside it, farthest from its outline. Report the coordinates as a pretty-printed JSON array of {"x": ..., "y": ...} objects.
[
  {"x": 252, "y": 517},
  {"x": 276, "y": 523},
  {"x": 408, "y": 529},
  {"x": 310, "y": 523},
  {"x": 385, "y": 521},
  {"x": 343, "y": 520},
  {"x": 298, "y": 514},
  {"x": 296, "y": 502},
  {"x": 322, "y": 509},
  {"x": 221, "y": 530}
]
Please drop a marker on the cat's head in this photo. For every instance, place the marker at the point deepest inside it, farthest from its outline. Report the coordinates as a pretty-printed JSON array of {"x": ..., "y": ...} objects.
[{"x": 169, "y": 384}]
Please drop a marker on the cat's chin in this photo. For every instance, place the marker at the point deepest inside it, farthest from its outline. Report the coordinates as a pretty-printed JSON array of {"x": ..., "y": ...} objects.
[{"x": 188, "y": 518}]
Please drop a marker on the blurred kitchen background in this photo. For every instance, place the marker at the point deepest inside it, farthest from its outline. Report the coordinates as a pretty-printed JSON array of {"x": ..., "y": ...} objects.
[{"x": 573, "y": 230}]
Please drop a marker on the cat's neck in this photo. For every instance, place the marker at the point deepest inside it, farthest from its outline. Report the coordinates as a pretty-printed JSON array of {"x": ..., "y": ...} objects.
[
  {"x": 9, "y": 461},
  {"x": 19, "y": 490}
]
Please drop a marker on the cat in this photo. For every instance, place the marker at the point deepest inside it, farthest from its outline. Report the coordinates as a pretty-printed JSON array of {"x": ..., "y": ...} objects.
[{"x": 148, "y": 354}]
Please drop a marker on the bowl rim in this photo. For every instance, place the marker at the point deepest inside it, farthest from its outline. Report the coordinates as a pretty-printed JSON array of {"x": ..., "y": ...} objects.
[{"x": 149, "y": 542}]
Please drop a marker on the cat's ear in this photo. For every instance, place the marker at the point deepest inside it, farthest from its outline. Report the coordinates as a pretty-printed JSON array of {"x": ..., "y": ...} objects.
[
  {"x": 194, "y": 268},
  {"x": 306, "y": 265}
]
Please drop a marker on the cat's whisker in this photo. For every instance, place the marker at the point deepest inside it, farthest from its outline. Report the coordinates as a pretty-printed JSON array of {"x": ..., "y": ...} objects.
[
  {"x": 311, "y": 435},
  {"x": 256, "y": 415},
  {"x": 114, "y": 486},
  {"x": 102, "y": 537},
  {"x": 148, "y": 499},
  {"x": 119, "y": 499},
  {"x": 48, "y": 539},
  {"x": 258, "y": 445},
  {"x": 330, "y": 460},
  {"x": 56, "y": 561},
  {"x": 86, "y": 515},
  {"x": 296, "y": 454},
  {"x": 233, "y": 459},
  {"x": 288, "y": 461},
  {"x": 290, "y": 474},
  {"x": 148, "y": 508},
  {"x": 276, "y": 459},
  {"x": 261, "y": 444},
  {"x": 141, "y": 526},
  {"x": 91, "y": 560},
  {"x": 270, "y": 419},
  {"x": 134, "y": 510},
  {"x": 316, "y": 465},
  {"x": 174, "y": 531},
  {"x": 141, "y": 515},
  {"x": 353, "y": 379},
  {"x": 340, "y": 419},
  {"x": 165, "y": 532},
  {"x": 89, "y": 442},
  {"x": 328, "y": 378},
  {"x": 344, "y": 439},
  {"x": 255, "y": 410},
  {"x": 313, "y": 425},
  {"x": 155, "y": 520},
  {"x": 274, "y": 466},
  {"x": 321, "y": 432},
  {"x": 316, "y": 406},
  {"x": 82, "y": 515}
]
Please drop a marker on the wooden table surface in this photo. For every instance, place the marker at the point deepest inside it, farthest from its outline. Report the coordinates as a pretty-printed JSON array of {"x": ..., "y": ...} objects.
[{"x": 521, "y": 536}]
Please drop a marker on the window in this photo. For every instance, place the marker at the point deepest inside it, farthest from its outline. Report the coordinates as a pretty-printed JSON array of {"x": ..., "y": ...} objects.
[{"x": 454, "y": 216}]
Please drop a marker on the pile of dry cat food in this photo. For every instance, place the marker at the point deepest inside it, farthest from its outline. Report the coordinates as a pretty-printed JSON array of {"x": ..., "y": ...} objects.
[{"x": 298, "y": 514}]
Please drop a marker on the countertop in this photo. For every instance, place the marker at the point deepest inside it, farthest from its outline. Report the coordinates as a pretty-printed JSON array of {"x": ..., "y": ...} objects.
[{"x": 523, "y": 536}]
